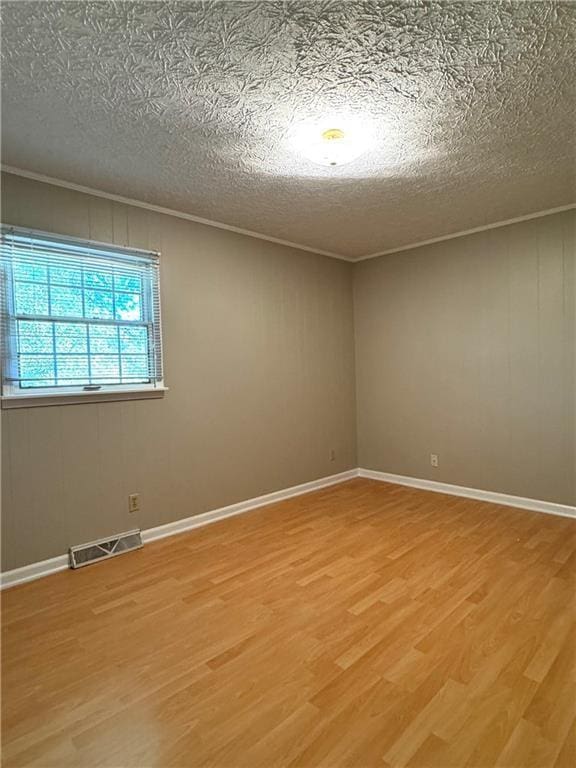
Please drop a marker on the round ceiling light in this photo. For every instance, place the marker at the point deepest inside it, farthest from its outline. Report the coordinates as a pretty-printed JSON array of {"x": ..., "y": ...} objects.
[{"x": 333, "y": 143}]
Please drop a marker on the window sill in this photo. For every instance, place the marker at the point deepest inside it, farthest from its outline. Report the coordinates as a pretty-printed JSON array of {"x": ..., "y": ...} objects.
[{"x": 79, "y": 398}]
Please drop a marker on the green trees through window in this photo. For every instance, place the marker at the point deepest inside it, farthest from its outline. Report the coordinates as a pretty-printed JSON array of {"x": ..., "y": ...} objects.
[
  {"x": 75, "y": 320},
  {"x": 63, "y": 352}
]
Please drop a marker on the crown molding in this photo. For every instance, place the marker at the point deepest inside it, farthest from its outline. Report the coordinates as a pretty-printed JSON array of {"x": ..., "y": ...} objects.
[
  {"x": 259, "y": 236},
  {"x": 167, "y": 211},
  {"x": 474, "y": 230}
]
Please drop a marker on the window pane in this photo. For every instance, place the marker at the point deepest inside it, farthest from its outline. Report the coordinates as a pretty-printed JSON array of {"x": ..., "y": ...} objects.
[
  {"x": 128, "y": 306},
  {"x": 135, "y": 367},
  {"x": 64, "y": 276},
  {"x": 24, "y": 271},
  {"x": 31, "y": 299},
  {"x": 128, "y": 282},
  {"x": 34, "y": 336},
  {"x": 71, "y": 337},
  {"x": 66, "y": 302},
  {"x": 78, "y": 314},
  {"x": 134, "y": 340},
  {"x": 37, "y": 370},
  {"x": 105, "y": 368},
  {"x": 72, "y": 369},
  {"x": 99, "y": 304},
  {"x": 97, "y": 279},
  {"x": 104, "y": 339}
]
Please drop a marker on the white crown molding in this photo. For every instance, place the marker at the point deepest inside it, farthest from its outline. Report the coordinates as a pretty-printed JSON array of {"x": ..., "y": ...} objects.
[
  {"x": 463, "y": 233},
  {"x": 167, "y": 211},
  {"x": 249, "y": 233},
  {"x": 534, "y": 505},
  {"x": 60, "y": 563}
]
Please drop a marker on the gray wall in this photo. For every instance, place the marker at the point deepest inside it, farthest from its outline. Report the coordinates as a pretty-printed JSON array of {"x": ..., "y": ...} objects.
[
  {"x": 259, "y": 359},
  {"x": 465, "y": 349}
]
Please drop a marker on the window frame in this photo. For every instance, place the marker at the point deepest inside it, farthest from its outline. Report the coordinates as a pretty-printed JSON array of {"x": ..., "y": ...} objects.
[{"x": 13, "y": 395}]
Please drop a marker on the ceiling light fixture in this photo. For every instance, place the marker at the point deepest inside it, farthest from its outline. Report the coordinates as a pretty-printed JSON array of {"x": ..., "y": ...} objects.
[{"x": 331, "y": 142}]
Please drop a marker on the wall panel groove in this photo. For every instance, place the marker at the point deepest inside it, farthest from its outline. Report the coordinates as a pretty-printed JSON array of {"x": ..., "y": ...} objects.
[
  {"x": 466, "y": 349},
  {"x": 259, "y": 361}
]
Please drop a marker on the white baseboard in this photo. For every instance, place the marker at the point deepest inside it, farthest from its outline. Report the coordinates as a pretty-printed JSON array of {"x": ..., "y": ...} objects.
[
  {"x": 33, "y": 571},
  {"x": 60, "y": 563},
  {"x": 188, "y": 523},
  {"x": 507, "y": 500}
]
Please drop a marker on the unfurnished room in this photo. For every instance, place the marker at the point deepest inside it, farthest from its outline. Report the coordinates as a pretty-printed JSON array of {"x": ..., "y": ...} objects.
[{"x": 288, "y": 406}]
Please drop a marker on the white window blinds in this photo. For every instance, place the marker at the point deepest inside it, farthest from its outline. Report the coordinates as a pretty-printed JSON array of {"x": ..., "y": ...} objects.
[{"x": 78, "y": 315}]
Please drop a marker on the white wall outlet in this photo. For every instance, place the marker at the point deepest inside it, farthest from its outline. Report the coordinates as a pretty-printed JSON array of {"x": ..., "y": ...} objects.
[
  {"x": 134, "y": 502},
  {"x": 434, "y": 459},
  {"x": 332, "y": 454}
]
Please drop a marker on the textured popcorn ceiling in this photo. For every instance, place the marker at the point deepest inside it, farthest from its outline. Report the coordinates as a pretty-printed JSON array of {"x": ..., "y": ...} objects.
[{"x": 192, "y": 106}]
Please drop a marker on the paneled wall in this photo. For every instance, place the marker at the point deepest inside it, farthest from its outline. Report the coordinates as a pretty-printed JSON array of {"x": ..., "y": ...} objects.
[
  {"x": 259, "y": 358},
  {"x": 465, "y": 349}
]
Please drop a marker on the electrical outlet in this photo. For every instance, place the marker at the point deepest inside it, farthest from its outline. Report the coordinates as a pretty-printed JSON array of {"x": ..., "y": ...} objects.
[
  {"x": 134, "y": 502},
  {"x": 434, "y": 459},
  {"x": 332, "y": 454}
]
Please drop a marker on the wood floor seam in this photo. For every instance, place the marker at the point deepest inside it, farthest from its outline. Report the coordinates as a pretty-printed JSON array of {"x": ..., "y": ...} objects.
[{"x": 362, "y": 625}]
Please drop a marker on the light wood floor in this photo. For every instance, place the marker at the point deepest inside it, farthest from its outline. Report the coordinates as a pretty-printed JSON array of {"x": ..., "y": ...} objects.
[{"x": 363, "y": 625}]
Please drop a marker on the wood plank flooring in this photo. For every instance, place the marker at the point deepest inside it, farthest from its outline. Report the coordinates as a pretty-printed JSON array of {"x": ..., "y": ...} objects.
[{"x": 362, "y": 625}]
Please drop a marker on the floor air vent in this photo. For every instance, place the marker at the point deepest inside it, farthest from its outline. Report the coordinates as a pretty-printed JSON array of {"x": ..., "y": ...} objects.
[{"x": 85, "y": 554}]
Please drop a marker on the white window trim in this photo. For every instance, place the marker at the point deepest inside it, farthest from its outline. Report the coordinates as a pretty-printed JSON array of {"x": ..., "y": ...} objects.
[
  {"x": 146, "y": 392},
  {"x": 13, "y": 396}
]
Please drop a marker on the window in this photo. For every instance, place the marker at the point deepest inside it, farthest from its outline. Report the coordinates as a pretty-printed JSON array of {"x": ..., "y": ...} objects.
[{"x": 79, "y": 317}]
